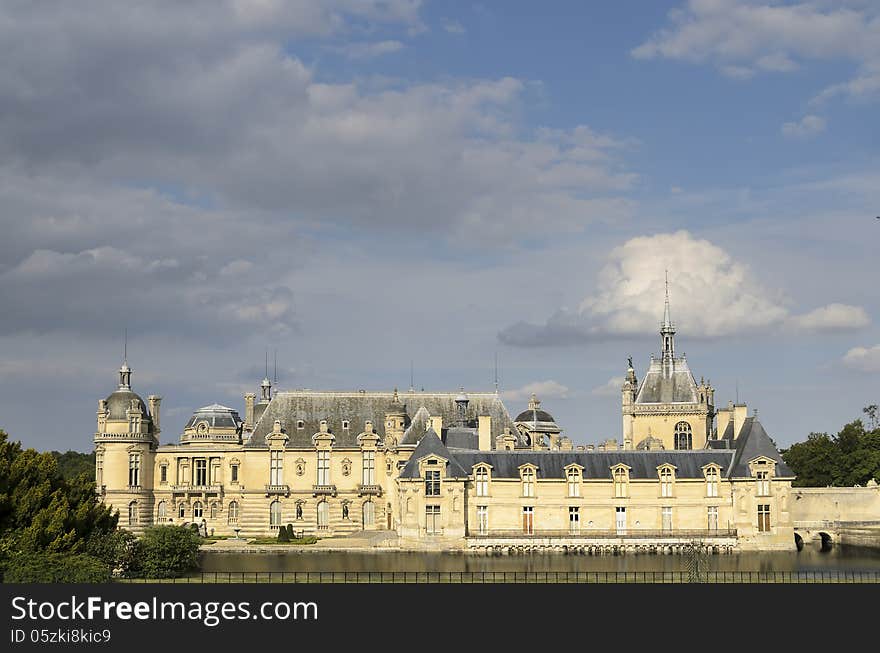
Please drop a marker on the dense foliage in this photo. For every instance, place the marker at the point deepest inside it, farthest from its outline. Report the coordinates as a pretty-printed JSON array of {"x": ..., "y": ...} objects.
[
  {"x": 56, "y": 568},
  {"x": 852, "y": 457},
  {"x": 74, "y": 463},
  {"x": 166, "y": 552}
]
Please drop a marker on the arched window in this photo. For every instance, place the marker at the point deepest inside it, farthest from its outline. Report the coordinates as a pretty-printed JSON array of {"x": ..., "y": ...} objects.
[
  {"x": 160, "y": 512},
  {"x": 323, "y": 516},
  {"x": 275, "y": 514},
  {"x": 181, "y": 510},
  {"x": 232, "y": 517},
  {"x": 197, "y": 509},
  {"x": 620, "y": 482},
  {"x": 666, "y": 482},
  {"x": 574, "y": 482},
  {"x": 133, "y": 513},
  {"x": 482, "y": 480},
  {"x": 369, "y": 514},
  {"x": 528, "y": 482},
  {"x": 213, "y": 512},
  {"x": 712, "y": 482},
  {"x": 683, "y": 436}
]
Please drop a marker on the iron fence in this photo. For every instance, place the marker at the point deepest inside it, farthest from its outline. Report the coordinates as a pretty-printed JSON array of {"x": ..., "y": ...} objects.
[{"x": 483, "y": 577}]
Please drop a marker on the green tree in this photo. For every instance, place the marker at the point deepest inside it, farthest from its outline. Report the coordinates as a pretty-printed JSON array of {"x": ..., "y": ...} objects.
[
  {"x": 852, "y": 457},
  {"x": 167, "y": 552},
  {"x": 74, "y": 463},
  {"x": 814, "y": 462}
]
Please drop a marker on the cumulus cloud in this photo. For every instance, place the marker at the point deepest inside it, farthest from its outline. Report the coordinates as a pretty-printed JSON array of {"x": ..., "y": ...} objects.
[
  {"x": 804, "y": 128},
  {"x": 711, "y": 293},
  {"x": 864, "y": 359},
  {"x": 609, "y": 389},
  {"x": 543, "y": 389},
  {"x": 746, "y": 37}
]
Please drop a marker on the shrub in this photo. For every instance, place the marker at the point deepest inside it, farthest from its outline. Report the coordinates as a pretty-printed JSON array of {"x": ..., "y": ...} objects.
[
  {"x": 118, "y": 549},
  {"x": 55, "y": 568},
  {"x": 282, "y": 535},
  {"x": 290, "y": 531},
  {"x": 168, "y": 552}
]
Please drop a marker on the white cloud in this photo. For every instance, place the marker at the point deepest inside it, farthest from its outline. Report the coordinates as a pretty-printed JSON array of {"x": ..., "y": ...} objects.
[
  {"x": 609, "y": 389},
  {"x": 864, "y": 359},
  {"x": 804, "y": 128},
  {"x": 368, "y": 50},
  {"x": 711, "y": 295},
  {"x": 454, "y": 27},
  {"x": 833, "y": 317},
  {"x": 543, "y": 389}
]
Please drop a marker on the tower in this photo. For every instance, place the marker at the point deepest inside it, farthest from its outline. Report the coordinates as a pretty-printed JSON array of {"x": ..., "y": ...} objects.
[{"x": 667, "y": 337}]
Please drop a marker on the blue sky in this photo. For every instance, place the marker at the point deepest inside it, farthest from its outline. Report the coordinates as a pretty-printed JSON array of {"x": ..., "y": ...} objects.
[{"x": 359, "y": 185}]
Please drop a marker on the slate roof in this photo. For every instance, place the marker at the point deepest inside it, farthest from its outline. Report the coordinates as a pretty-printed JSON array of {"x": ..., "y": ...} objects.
[
  {"x": 215, "y": 415},
  {"x": 752, "y": 442},
  {"x": 120, "y": 400},
  {"x": 358, "y": 407},
  {"x": 428, "y": 445},
  {"x": 675, "y": 386}
]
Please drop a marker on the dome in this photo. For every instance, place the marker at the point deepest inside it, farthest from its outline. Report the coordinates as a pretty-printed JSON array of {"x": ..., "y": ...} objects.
[
  {"x": 120, "y": 401},
  {"x": 537, "y": 420},
  {"x": 215, "y": 416},
  {"x": 535, "y": 415}
]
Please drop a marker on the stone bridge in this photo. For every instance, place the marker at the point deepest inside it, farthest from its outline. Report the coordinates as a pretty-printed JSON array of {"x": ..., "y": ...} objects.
[{"x": 826, "y": 517}]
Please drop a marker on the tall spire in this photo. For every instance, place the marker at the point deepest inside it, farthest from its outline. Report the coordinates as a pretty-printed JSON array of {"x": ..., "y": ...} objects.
[
  {"x": 125, "y": 370},
  {"x": 667, "y": 332}
]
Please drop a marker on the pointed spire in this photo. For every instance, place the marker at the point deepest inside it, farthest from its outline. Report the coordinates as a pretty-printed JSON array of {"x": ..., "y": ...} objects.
[
  {"x": 667, "y": 333},
  {"x": 667, "y": 321},
  {"x": 125, "y": 370}
]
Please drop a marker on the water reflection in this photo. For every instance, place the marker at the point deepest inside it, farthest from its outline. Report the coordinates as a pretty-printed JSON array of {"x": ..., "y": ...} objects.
[{"x": 841, "y": 558}]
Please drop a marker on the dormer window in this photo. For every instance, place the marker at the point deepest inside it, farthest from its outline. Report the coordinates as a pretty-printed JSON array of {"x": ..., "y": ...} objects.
[
  {"x": 432, "y": 480},
  {"x": 528, "y": 481},
  {"x": 573, "y": 478},
  {"x": 481, "y": 479},
  {"x": 345, "y": 424},
  {"x": 712, "y": 476},
  {"x": 621, "y": 482},
  {"x": 666, "y": 480},
  {"x": 763, "y": 479},
  {"x": 300, "y": 425}
]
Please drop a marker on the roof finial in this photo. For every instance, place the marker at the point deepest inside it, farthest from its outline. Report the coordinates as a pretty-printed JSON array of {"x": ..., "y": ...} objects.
[
  {"x": 125, "y": 346},
  {"x": 125, "y": 370},
  {"x": 412, "y": 387},
  {"x": 496, "y": 372},
  {"x": 275, "y": 373}
]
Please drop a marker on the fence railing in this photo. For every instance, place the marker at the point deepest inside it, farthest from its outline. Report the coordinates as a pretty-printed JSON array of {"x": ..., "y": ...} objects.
[
  {"x": 628, "y": 533},
  {"x": 481, "y": 577}
]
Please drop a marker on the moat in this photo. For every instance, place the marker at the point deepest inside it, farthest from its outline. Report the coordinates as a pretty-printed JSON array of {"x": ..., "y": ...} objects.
[{"x": 841, "y": 558}]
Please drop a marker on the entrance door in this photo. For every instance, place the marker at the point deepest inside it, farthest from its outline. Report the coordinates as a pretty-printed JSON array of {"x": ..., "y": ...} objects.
[{"x": 620, "y": 522}]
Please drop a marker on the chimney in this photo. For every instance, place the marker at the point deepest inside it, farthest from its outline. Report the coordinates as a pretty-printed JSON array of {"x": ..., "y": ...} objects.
[
  {"x": 437, "y": 425},
  {"x": 722, "y": 418},
  {"x": 155, "y": 402},
  {"x": 565, "y": 444},
  {"x": 740, "y": 411},
  {"x": 249, "y": 398},
  {"x": 484, "y": 432}
]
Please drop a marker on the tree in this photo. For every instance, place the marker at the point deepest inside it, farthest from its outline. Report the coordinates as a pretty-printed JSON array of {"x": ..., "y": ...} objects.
[
  {"x": 871, "y": 412},
  {"x": 167, "y": 552},
  {"x": 852, "y": 457},
  {"x": 814, "y": 462},
  {"x": 73, "y": 463}
]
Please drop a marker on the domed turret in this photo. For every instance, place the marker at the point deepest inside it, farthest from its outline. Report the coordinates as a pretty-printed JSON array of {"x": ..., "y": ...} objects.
[
  {"x": 537, "y": 425},
  {"x": 214, "y": 423}
]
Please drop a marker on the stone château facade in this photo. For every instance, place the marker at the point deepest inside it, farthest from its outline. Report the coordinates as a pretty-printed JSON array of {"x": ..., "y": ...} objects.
[{"x": 453, "y": 470}]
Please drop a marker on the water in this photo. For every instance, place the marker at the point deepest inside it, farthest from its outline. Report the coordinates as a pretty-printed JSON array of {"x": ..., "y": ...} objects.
[{"x": 841, "y": 558}]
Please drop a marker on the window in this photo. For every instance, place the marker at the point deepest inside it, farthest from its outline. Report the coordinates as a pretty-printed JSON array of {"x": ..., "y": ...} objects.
[
  {"x": 300, "y": 425},
  {"x": 712, "y": 512},
  {"x": 369, "y": 468},
  {"x": 133, "y": 513},
  {"x": 99, "y": 468},
  {"x": 232, "y": 515},
  {"x": 201, "y": 472},
  {"x": 683, "y": 436},
  {"x": 181, "y": 510},
  {"x": 482, "y": 480},
  {"x": 275, "y": 514},
  {"x": 345, "y": 424},
  {"x": 233, "y": 473},
  {"x": 213, "y": 512},
  {"x": 276, "y": 467},
  {"x": 574, "y": 520},
  {"x": 528, "y": 482},
  {"x": 483, "y": 519},
  {"x": 621, "y": 479},
  {"x": 666, "y": 518},
  {"x": 324, "y": 467},
  {"x": 134, "y": 469},
  {"x": 161, "y": 515},
  {"x": 369, "y": 517},
  {"x": 712, "y": 482},
  {"x": 432, "y": 520},
  {"x": 163, "y": 473},
  {"x": 666, "y": 482},
  {"x": 197, "y": 509},
  {"x": 432, "y": 483},
  {"x": 528, "y": 520},
  {"x": 763, "y": 478},
  {"x": 763, "y": 517},
  {"x": 620, "y": 519},
  {"x": 574, "y": 482},
  {"x": 323, "y": 516}
]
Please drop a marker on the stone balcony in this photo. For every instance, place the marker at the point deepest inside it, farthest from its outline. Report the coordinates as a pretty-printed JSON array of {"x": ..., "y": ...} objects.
[
  {"x": 324, "y": 490},
  {"x": 369, "y": 490},
  {"x": 278, "y": 489},
  {"x": 187, "y": 488}
]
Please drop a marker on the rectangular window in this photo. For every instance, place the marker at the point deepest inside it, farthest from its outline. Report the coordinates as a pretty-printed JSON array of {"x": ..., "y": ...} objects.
[
  {"x": 99, "y": 469},
  {"x": 432, "y": 520},
  {"x": 763, "y": 483},
  {"x": 713, "y": 518},
  {"x": 528, "y": 520},
  {"x": 201, "y": 472},
  {"x": 134, "y": 469},
  {"x": 233, "y": 473},
  {"x": 163, "y": 474},
  {"x": 764, "y": 517},
  {"x": 482, "y": 482},
  {"x": 323, "y": 468},
  {"x": 369, "y": 468},
  {"x": 666, "y": 517},
  {"x": 276, "y": 468},
  {"x": 574, "y": 520},
  {"x": 620, "y": 482},
  {"x": 483, "y": 519},
  {"x": 574, "y": 483},
  {"x": 432, "y": 483},
  {"x": 666, "y": 483},
  {"x": 620, "y": 519}
]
